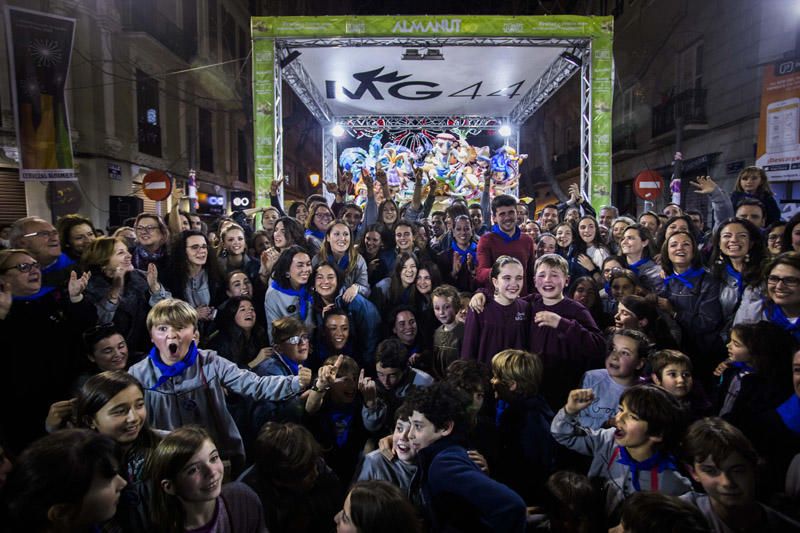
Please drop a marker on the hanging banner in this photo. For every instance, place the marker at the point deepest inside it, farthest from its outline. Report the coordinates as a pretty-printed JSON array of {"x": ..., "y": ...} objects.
[
  {"x": 778, "y": 150},
  {"x": 39, "y": 50}
]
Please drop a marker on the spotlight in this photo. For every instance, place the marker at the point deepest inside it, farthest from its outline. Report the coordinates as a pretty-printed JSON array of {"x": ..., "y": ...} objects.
[
  {"x": 337, "y": 130},
  {"x": 572, "y": 59},
  {"x": 505, "y": 130}
]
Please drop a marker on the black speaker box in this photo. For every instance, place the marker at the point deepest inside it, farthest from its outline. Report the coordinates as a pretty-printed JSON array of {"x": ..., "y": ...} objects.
[{"x": 122, "y": 208}]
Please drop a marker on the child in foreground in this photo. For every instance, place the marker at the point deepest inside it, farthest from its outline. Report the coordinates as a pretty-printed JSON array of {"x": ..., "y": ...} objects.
[{"x": 634, "y": 455}]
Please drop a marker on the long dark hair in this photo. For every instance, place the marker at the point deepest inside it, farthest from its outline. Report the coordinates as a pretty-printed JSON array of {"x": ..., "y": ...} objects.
[
  {"x": 179, "y": 266},
  {"x": 666, "y": 264},
  {"x": 295, "y": 234},
  {"x": 241, "y": 349},
  {"x": 319, "y": 304},
  {"x": 396, "y": 288},
  {"x": 281, "y": 269},
  {"x": 380, "y": 507},
  {"x": 752, "y": 268},
  {"x": 645, "y": 235}
]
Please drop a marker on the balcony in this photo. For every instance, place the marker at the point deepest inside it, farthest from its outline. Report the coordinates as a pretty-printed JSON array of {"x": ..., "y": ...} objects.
[
  {"x": 689, "y": 105},
  {"x": 141, "y": 16}
]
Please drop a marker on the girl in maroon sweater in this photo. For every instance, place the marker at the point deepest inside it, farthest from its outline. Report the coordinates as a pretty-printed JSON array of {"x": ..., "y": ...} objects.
[{"x": 505, "y": 319}]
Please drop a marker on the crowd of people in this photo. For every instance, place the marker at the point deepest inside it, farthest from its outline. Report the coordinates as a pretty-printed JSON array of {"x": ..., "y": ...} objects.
[{"x": 405, "y": 368}]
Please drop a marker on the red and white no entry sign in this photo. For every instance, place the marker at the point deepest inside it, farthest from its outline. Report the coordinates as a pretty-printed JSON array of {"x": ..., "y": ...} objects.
[
  {"x": 648, "y": 185},
  {"x": 157, "y": 185}
]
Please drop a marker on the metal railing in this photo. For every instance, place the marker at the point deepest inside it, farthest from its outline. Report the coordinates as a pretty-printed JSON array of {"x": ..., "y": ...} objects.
[{"x": 689, "y": 105}]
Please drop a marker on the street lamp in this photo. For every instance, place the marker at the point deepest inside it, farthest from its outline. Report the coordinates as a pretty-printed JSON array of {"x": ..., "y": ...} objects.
[{"x": 313, "y": 179}]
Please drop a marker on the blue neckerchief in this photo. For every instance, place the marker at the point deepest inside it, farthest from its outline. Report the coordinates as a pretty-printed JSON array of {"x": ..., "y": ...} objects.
[
  {"x": 44, "y": 290},
  {"x": 341, "y": 426},
  {"x": 294, "y": 367},
  {"x": 343, "y": 263},
  {"x": 776, "y": 315},
  {"x": 302, "y": 294},
  {"x": 472, "y": 250},
  {"x": 315, "y": 233},
  {"x": 737, "y": 276},
  {"x": 656, "y": 460},
  {"x": 742, "y": 366},
  {"x": 502, "y": 405},
  {"x": 685, "y": 277},
  {"x": 61, "y": 263},
  {"x": 635, "y": 266},
  {"x": 174, "y": 370},
  {"x": 789, "y": 412},
  {"x": 503, "y": 235},
  {"x": 607, "y": 288}
]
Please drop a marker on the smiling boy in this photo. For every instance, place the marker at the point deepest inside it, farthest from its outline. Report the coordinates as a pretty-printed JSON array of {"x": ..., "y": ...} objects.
[
  {"x": 456, "y": 495},
  {"x": 634, "y": 455}
]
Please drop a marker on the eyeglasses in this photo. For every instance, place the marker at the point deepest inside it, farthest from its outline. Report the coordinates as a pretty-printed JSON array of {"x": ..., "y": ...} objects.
[
  {"x": 25, "y": 267},
  {"x": 324, "y": 215},
  {"x": 44, "y": 233},
  {"x": 297, "y": 339},
  {"x": 196, "y": 247},
  {"x": 789, "y": 281},
  {"x": 146, "y": 229}
]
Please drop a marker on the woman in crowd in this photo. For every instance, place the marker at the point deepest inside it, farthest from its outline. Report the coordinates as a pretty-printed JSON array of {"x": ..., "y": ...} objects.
[
  {"x": 589, "y": 233},
  {"x": 152, "y": 239},
  {"x": 233, "y": 255},
  {"x": 458, "y": 262},
  {"x": 338, "y": 249},
  {"x": 401, "y": 287},
  {"x": 375, "y": 253},
  {"x": 239, "y": 336},
  {"x": 317, "y": 224},
  {"x": 121, "y": 294},
  {"x": 75, "y": 233},
  {"x": 289, "y": 292},
  {"x": 636, "y": 247}
]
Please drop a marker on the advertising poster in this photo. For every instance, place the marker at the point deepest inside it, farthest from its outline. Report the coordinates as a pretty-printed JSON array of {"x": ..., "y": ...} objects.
[
  {"x": 778, "y": 151},
  {"x": 40, "y": 49}
]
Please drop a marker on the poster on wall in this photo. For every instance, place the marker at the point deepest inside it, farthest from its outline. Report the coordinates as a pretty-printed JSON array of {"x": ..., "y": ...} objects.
[
  {"x": 778, "y": 151},
  {"x": 40, "y": 49}
]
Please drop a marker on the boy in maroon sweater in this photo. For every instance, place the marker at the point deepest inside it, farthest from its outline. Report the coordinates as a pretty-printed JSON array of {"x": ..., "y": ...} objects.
[
  {"x": 562, "y": 331},
  {"x": 505, "y": 238}
]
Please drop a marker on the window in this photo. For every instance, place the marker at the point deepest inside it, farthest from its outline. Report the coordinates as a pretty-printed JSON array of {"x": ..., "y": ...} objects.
[
  {"x": 690, "y": 68},
  {"x": 206, "y": 138},
  {"x": 147, "y": 111}
]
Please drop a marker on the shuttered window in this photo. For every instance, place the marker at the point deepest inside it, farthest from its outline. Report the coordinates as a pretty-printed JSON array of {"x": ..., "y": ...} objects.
[{"x": 12, "y": 197}]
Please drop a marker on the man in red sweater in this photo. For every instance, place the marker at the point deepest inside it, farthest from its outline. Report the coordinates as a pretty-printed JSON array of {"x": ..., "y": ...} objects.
[{"x": 505, "y": 238}]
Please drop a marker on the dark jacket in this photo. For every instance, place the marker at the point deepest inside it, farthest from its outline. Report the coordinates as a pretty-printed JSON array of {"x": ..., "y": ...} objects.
[{"x": 457, "y": 496}]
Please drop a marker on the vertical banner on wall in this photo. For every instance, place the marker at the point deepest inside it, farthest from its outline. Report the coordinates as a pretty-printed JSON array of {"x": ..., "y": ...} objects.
[
  {"x": 40, "y": 49},
  {"x": 263, "y": 113},
  {"x": 602, "y": 97}
]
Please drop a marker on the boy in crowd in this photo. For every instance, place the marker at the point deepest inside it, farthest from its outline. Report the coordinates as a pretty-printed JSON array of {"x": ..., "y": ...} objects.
[
  {"x": 628, "y": 350},
  {"x": 456, "y": 494},
  {"x": 721, "y": 459},
  {"x": 634, "y": 455},
  {"x": 395, "y": 379},
  {"x": 672, "y": 370},
  {"x": 562, "y": 331}
]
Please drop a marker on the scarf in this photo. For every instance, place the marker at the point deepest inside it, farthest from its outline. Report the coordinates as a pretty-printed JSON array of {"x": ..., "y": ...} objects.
[
  {"x": 341, "y": 422},
  {"x": 472, "y": 251},
  {"x": 61, "y": 263},
  {"x": 657, "y": 460},
  {"x": 775, "y": 314},
  {"x": 294, "y": 367},
  {"x": 177, "y": 369},
  {"x": 742, "y": 367},
  {"x": 315, "y": 233},
  {"x": 343, "y": 263},
  {"x": 789, "y": 412},
  {"x": 685, "y": 277},
  {"x": 502, "y": 405},
  {"x": 737, "y": 276},
  {"x": 503, "y": 235},
  {"x": 142, "y": 258},
  {"x": 635, "y": 266},
  {"x": 43, "y": 291},
  {"x": 302, "y": 294}
]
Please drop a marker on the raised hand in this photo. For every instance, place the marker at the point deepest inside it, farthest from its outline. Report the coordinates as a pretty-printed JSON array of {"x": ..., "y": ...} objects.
[
  {"x": 327, "y": 374},
  {"x": 6, "y": 299},
  {"x": 578, "y": 400},
  {"x": 366, "y": 385},
  {"x": 152, "y": 278},
  {"x": 275, "y": 186},
  {"x": 703, "y": 185},
  {"x": 58, "y": 415},
  {"x": 77, "y": 285},
  {"x": 456, "y": 264},
  {"x": 304, "y": 375},
  {"x": 331, "y": 187}
]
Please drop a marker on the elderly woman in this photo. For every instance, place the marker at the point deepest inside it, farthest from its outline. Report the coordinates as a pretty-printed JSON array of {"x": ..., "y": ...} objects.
[{"x": 121, "y": 293}]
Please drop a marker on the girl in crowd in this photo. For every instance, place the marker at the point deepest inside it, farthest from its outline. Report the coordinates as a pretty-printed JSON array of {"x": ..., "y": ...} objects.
[
  {"x": 121, "y": 294},
  {"x": 401, "y": 288},
  {"x": 636, "y": 246},
  {"x": 194, "y": 276},
  {"x": 388, "y": 213},
  {"x": 610, "y": 264},
  {"x": 642, "y": 314},
  {"x": 234, "y": 255},
  {"x": 691, "y": 296},
  {"x": 736, "y": 263},
  {"x": 318, "y": 219},
  {"x": 288, "y": 232},
  {"x": 791, "y": 235},
  {"x": 299, "y": 211},
  {"x": 75, "y": 233},
  {"x": 752, "y": 182},
  {"x": 338, "y": 249},
  {"x": 65, "y": 482},
  {"x": 571, "y": 249},
  {"x": 289, "y": 291},
  {"x": 377, "y": 507},
  {"x": 269, "y": 217},
  {"x": 112, "y": 404},
  {"x": 504, "y": 320},
  {"x": 186, "y": 470},
  {"x": 375, "y": 253},
  {"x": 152, "y": 237},
  {"x": 364, "y": 318},
  {"x": 595, "y": 249},
  {"x": 239, "y": 337},
  {"x": 458, "y": 262},
  {"x": 584, "y": 290},
  {"x": 774, "y": 236}
]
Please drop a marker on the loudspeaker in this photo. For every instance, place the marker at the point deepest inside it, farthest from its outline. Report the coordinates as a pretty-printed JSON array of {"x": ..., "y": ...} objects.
[{"x": 121, "y": 208}]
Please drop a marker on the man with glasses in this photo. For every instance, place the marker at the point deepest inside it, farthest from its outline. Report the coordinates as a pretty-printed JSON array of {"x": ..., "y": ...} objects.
[{"x": 40, "y": 239}]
